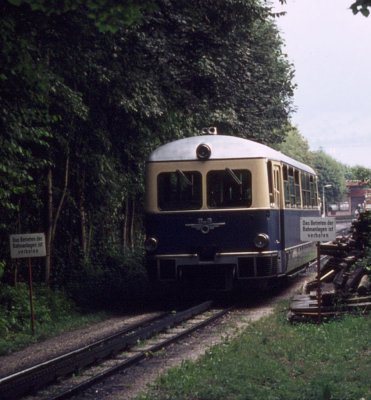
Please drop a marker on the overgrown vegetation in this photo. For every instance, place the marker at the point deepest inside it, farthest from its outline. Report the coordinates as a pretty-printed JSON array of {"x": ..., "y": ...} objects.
[
  {"x": 275, "y": 360},
  {"x": 119, "y": 283},
  {"x": 88, "y": 90},
  {"x": 54, "y": 313}
]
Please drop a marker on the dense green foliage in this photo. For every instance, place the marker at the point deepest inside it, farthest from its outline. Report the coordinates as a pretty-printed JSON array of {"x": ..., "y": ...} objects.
[
  {"x": 87, "y": 90},
  {"x": 122, "y": 285},
  {"x": 330, "y": 171},
  {"x": 359, "y": 173},
  {"x": 361, "y": 6},
  {"x": 108, "y": 15},
  {"x": 273, "y": 360},
  {"x": 55, "y": 313},
  {"x": 295, "y": 146}
]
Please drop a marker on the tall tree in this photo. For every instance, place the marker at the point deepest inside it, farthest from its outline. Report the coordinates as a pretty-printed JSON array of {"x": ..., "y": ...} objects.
[
  {"x": 361, "y": 6},
  {"x": 360, "y": 173},
  {"x": 86, "y": 95},
  {"x": 296, "y": 146},
  {"x": 330, "y": 172}
]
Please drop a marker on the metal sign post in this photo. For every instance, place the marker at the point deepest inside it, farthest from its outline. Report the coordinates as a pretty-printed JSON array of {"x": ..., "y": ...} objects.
[
  {"x": 28, "y": 246},
  {"x": 317, "y": 229}
]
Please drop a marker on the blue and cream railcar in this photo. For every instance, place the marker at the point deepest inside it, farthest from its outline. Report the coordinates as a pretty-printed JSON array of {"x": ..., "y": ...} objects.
[{"x": 223, "y": 210}]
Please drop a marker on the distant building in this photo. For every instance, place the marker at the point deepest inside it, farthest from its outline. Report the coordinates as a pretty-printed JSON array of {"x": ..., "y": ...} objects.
[{"x": 357, "y": 195}]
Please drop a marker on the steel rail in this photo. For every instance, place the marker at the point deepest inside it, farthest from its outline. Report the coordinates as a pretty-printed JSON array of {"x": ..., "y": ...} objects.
[
  {"x": 135, "y": 357},
  {"x": 32, "y": 379}
]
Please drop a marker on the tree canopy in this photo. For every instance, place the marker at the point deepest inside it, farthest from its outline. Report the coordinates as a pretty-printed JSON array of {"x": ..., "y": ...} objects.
[
  {"x": 361, "y": 6},
  {"x": 88, "y": 89},
  {"x": 359, "y": 173},
  {"x": 295, "y": 146},
  {"x": 330, "y": 171}
]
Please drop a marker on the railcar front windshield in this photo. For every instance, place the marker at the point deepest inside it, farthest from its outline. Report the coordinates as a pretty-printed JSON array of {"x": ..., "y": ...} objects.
[
  {"x": 229, "y": 188},
  {"x": 182, "y": 190},
  {"x": 179, "y": 190}
]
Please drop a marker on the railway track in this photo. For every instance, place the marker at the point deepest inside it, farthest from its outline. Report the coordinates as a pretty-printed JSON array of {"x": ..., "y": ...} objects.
[
  {"x": 67, "y": 375},
  {"x": 74, "y": 372}
]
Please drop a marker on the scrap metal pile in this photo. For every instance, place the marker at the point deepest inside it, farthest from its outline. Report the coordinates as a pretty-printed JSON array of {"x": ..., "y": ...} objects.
[{"x": 343, "y": 284}]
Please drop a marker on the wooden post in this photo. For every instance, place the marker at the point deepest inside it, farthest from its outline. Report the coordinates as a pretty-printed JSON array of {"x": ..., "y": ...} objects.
[
  {"x": 31, "y": 296},
  {"x": 28, "y": 245},
  {"x": 319, "y": 297}
]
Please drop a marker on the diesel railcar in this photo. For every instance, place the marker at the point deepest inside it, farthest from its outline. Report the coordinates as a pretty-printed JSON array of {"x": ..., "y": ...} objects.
[{"x": 222, "y": 211}]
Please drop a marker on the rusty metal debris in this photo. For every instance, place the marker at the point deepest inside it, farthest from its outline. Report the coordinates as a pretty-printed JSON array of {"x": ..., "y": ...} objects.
[{"x": 344, "y": 280}]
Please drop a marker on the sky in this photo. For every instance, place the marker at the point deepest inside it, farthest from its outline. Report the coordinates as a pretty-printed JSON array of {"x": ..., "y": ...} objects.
[{"x": 330, "y": 49}]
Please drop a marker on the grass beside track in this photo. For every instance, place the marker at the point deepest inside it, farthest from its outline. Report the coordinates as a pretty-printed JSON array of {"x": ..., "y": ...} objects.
[
  {"x": 55, "y": 313},
  {"x": 11, "y": 342},
  {"x": 275, "y": 360}
]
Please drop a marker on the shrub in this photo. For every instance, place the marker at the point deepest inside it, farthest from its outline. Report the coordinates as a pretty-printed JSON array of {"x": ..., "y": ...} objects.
[
  {"x": 15, "y": 309},
  {"x": 118, "y": 280}
]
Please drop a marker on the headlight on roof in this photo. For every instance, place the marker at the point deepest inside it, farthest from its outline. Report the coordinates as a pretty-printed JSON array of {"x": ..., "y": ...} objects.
[{"x": 203, "y": 152}]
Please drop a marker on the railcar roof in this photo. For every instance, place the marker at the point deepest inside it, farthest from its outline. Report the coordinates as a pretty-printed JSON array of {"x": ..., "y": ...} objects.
[{"x": 222, "y": 147}]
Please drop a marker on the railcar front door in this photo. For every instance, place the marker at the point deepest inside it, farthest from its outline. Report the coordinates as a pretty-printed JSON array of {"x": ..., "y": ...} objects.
[
  {"x": 277, "y": 186},
  {"x": 278, "y": 204}
]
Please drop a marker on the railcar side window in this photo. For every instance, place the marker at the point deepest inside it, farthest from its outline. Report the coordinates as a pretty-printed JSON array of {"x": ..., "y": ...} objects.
[
  {"x": 286, "y": 186},
  {"x": 229, "y": 188},
  {"x": 297, "y": 189},
  {"x": 313, "y": 192},
  {"x": 291, "y": 180},
  {"x": 179, "y": 190},
  {"x": 305, "y": 185},
  {"x": 292, "y": 187}
]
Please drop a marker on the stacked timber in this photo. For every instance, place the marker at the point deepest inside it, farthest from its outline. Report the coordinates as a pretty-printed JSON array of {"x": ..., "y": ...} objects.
[{"x": 343, "y": 284}]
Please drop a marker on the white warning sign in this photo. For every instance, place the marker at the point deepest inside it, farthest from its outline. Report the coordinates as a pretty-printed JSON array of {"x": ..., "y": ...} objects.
[
  {"x": 27, "y": 245},
  {"x": 317, "y": 229}
]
